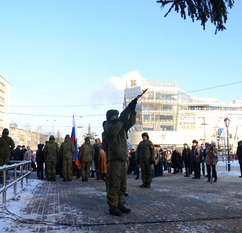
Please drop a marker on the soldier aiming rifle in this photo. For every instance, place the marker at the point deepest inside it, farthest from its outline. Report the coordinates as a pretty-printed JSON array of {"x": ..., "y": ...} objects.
[{"x": 116, "y": 148}]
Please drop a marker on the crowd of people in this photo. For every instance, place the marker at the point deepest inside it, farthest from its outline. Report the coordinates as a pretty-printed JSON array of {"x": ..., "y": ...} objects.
[
  {"x": 111, "y": 160},
  {"x": 52, "y": 159},
  {"x": 151, "y": 160}
]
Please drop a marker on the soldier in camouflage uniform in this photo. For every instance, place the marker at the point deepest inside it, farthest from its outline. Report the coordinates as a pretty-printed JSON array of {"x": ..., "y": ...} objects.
[
  {"x": 85, "y": 157},
  {"x": 115, "y": 138},
  {"x": 51, "y": 153},
  {"x": 67, "y": 150},
  {"x": 6, "y": 147},
  {"x": 146, "y": 158}
]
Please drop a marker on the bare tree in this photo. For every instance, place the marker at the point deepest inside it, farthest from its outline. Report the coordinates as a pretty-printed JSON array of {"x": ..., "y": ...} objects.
[{"x": 201, "y": 10}]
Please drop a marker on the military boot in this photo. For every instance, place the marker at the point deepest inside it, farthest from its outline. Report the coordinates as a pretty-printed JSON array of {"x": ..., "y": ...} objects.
[
  {"x": 115, "y": 211},
  {"x": 123, "y": 209}
]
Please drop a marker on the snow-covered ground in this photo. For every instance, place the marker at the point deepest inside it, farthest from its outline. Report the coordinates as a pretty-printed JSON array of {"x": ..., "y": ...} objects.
[{"x": 16, "y": 203}]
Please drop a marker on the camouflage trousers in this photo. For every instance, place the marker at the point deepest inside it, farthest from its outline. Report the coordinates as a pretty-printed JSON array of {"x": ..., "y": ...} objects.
[
  {"x": 67, "y": 168},
  {"x": 116, "y": 182},
  {"x": 85, "y": 170},
  {"x": 146, "y": 172},
  {"x": 51, "y": 169}
]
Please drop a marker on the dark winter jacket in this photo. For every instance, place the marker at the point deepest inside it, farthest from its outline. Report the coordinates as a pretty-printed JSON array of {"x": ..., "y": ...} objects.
[
  {"x": 195, "y": 154},
  {"x": 239, "y": 152},
  {"x": 17, "y": 154},
  {"x": 186, "y": 156},
  {"x": 40, "y": 154},
  {"x": 176, "y": 159}
]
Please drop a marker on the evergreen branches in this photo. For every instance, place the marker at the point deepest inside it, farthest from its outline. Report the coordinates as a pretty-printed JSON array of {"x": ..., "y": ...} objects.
[{"x": 201, "y": 10}]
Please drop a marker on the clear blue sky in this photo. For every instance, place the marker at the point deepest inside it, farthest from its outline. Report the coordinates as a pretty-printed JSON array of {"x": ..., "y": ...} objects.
[{"x": 59, "y": 56}]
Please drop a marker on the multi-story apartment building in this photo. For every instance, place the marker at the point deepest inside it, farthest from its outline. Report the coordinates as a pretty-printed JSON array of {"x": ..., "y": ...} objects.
[
  {"x": 20, "y": 136},
  {"x": 173, "y": 117},
  {"x": 5, "y": 94}
]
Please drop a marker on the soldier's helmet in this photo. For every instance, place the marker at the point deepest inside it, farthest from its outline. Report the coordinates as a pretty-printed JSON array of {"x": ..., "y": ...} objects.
[
  {"x": 5, "y": 131},
  {"x": 52, "y": 138},
  {"x": 67, "y": 136}
]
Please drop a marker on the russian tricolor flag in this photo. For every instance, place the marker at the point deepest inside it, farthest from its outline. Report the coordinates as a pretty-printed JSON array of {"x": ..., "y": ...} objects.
[{"x": 74, "y": 141}]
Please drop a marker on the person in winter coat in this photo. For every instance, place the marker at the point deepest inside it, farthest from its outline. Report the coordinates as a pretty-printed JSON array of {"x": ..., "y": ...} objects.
[
  {"x": 28, "y": 154},
  {"x": 157, "y": 158},
  {"x": 51, "y": 154},
  {"x": 146, "y": 157},
  {"x": 97, "y": 147},
  {"x": 176, "y": 161},
  {"x": 186, "y": 158},
  {"x": 102, "y": 164},
  {"x": 85, "y": 157},
  {"x": 67, "y": 150},
  {"x": 168, "y": 160},
  {"x": 239, "y": 155},
  {"x": 115, "y": 145},
  {"x": 40, "y": 161},
  {"x": 196, "y": 158},
  {"x": 6, "y": 147},
  {"x": 17, "y": 153},
  {"x": 211, "y": 161}
]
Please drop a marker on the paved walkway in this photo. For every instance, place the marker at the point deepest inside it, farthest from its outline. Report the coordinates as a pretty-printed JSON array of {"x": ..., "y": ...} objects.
[{"x": 174, "y": 203}]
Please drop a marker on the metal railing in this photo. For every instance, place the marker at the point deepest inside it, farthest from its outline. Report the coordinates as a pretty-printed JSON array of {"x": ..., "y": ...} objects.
[{"x": 21, "y": 170}]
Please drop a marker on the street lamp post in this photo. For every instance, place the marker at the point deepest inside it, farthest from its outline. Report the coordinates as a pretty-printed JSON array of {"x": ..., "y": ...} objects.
[{"x": 226, "y": 122}]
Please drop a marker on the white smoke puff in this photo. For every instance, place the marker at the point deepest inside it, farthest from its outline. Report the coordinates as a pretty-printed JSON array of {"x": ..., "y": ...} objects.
[
  {"x": 132, "y": 78},
  {"x": 112, "y": 91}
]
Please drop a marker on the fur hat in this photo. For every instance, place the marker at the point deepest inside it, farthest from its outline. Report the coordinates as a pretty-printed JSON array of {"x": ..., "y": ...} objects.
[
  {"x": 110, "y": 113},
  {"x": 87, "y": 140},
  {"x": 145, "y": 134}
]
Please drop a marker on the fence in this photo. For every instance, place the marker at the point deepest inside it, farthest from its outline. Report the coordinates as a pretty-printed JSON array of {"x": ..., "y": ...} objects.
[{"x": 20, "y": 170}]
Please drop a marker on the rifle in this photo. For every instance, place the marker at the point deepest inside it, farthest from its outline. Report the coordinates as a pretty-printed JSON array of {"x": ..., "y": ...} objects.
[{"x": 138, "y": 96}]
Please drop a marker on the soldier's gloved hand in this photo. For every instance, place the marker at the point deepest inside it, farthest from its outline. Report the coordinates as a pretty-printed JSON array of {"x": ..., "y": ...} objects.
[
  {"x": 132, "y": 104},
  {"x": 123, "y": 118}
]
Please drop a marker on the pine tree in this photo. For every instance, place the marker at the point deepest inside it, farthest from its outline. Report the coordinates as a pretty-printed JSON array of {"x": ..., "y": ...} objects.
[
  {"x": 92, "y": 135},
  {"x": 201, "y": 10}
]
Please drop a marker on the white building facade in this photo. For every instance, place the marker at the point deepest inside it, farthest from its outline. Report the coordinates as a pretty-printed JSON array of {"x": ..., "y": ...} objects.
[
  {"x": 172, "y": 117},
  {"x": 5, "y": 96}
]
